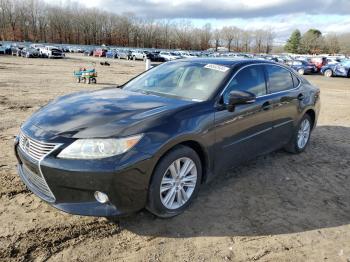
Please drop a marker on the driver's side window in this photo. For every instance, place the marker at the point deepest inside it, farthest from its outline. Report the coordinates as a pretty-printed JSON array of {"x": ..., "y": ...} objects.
[{"x": 251, "y": 79}]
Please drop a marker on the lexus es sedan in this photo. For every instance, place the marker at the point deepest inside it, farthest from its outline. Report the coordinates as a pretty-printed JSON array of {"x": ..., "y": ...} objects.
[{"x": 154, "y": 141}]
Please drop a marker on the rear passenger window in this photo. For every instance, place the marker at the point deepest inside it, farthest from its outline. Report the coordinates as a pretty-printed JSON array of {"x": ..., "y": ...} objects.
[
  {"x": 280, "y": 79},
  {"x": 296, "y": 81},
  {"x": 251, "y": 79}
]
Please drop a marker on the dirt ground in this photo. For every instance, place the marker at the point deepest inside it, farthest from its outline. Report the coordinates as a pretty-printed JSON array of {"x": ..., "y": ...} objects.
[{"x": 280, "y": 207}]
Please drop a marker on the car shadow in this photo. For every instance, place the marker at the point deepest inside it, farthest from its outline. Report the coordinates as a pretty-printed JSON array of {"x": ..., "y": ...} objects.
[{"x": 274, "y": 194}]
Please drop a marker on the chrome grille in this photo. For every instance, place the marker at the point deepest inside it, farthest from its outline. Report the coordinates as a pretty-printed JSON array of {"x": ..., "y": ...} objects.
[
  {"x": 35, "y": 149},
  {"x": 37, "y": 184}
]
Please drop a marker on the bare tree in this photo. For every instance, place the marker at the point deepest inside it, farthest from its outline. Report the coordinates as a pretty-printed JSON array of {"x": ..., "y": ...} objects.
[
  {"x": 217, "y": 38},
  {"x": 35, "y": 20},
  {"x": 332, "y": 44}
]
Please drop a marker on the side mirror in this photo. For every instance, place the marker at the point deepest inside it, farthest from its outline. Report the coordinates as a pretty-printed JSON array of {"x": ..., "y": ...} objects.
[{"x": 239, "y": 98}]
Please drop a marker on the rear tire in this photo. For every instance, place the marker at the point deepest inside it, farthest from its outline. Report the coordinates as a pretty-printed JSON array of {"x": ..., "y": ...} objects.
[
  {"x": 328, "y": 73},
  {"x": 177, "y": 185},
  {"x": 301, "y": 136}
]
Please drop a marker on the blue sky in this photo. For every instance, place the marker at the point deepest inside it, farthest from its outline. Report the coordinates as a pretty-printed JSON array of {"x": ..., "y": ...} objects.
[{"x": 282, "y": 16}]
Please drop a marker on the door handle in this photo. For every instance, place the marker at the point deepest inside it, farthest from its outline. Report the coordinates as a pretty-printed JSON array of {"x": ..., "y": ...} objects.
[
  {"x": 266, "y": 106},
  {"x": 301, "y": 97}
]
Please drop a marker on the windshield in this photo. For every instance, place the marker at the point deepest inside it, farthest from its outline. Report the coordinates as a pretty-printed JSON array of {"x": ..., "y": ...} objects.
[{"x": 184, "y": 80}]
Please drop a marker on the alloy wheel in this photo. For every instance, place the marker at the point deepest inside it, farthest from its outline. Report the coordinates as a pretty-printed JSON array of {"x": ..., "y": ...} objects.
[
  {"x": 304, "y": 133},
  {"x": 178, "y": 183},
  {"x": 328, "y": 73}
]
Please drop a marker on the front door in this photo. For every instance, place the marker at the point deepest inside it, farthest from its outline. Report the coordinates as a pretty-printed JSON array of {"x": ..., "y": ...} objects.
[{"x": 245, "y": 132}]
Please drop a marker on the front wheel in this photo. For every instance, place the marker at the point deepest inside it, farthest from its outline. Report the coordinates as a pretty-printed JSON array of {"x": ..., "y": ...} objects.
[
  {"x": 301, "y": 71},
  {"x": 301, "y": 136},
  {"x": 175, "y": 182}
]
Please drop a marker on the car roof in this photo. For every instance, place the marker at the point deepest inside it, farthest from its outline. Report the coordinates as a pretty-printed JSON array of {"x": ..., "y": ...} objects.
[{"x": 229, "y": 61}]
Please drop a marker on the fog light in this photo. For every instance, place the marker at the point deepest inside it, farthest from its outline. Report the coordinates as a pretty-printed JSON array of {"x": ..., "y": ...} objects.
[{"x": 101, "y": 197}]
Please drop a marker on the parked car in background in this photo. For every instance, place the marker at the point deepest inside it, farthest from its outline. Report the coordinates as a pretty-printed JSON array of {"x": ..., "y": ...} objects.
[
  {"x": 16, "y": 50},
  {"x": 89, "y": 52},
  {"x": 29, "y": 52},
  {"x": 155, "y": 57},
  {"x": 37, "y": 46},
  {"x": 339, "y": 69},
  {"x": 112, "y": 53},
  {"x": 303, "y": 67},
  {"x": 124, "y": 54},
  {"x": 51, "y": 52},
  {"x": 2, "y": 50},
  {"x": 138, "y": 55},
  {"x": 169, "y": 56},
  {"x": 333, "y": 61},
  {"x": 100, "y": 52},
  {"x": 186, "y": 54},
  {"x": 319, "y": 62},
  {"x": 5, "y": 49},
  {"x": 155, "y": 140}
]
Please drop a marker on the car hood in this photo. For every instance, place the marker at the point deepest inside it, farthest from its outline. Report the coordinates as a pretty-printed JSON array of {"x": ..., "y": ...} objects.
[{"x": 103, "y": 113}]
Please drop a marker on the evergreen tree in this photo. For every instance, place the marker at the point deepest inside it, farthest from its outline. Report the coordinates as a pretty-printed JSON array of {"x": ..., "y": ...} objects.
[{"x": 293, "y": 43}]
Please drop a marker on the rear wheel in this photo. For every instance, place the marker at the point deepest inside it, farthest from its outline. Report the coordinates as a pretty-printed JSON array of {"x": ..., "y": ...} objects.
[
  {"x": 175, "y": 182},
  {"x": 301, "y": 136},
  {"x": 328, "y": 73}
]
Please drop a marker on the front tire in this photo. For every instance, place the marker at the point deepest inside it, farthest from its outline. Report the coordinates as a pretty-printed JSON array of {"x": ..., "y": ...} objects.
[
  {"x": 301, "y": 136},
  {"x": 301, "y": 71},
  {"x": 175, "y": 182}
]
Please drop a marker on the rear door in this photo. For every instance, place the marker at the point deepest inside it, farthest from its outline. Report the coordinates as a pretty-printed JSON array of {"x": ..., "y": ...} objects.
[
  {"x": 245, "y": 132},
  {"x": 285, "y": 94}
]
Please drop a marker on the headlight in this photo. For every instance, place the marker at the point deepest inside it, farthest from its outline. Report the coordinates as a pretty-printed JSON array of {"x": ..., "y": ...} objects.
[{"x": 99, "y": 148}]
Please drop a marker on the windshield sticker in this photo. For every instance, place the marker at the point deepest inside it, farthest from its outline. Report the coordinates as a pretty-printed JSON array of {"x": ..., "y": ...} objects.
[{"x": 217, "y": 67}]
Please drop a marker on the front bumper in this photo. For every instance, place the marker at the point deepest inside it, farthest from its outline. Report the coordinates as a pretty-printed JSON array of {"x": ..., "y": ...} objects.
[{"x": 74, "y": 182}]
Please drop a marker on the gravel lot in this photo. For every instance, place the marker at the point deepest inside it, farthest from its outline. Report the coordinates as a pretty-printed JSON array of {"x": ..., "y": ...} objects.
[{"x": 280, "y": 207}]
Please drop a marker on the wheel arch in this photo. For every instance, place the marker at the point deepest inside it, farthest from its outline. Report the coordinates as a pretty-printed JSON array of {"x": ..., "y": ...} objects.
[
  {"x": 197, "y": 147},
  {"x": 328, "y": 69},
  {"x": 312, "y": 114}
]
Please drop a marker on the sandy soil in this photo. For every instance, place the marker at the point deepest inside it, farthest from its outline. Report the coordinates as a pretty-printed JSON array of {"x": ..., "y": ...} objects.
[{"x": 280, "y": 207}]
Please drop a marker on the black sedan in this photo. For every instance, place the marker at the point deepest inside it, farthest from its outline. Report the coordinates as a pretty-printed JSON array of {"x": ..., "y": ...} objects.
[
  {"x": 30, "y": 52},
  {"x": 155, "y": 57},
  {"x": 153, "y": 141}
]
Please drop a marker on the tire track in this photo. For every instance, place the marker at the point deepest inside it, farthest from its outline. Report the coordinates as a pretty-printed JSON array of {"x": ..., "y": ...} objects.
[{"x": 45, "y": 242}]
